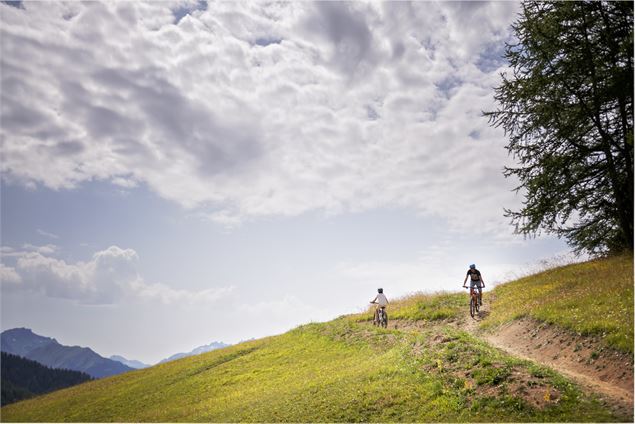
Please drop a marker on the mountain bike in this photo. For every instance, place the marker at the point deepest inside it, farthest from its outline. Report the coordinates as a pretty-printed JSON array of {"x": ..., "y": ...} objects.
[
  {"x": 381, "y": 317},
  {"x": 473, "y": 300}
]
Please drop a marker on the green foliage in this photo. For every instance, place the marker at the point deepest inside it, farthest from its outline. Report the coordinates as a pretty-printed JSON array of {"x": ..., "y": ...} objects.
[
  {"x": 594, "y": 297},
  {"x": 23, "y": 378},
  {"x": 491, "y": 376},
  {"x": 13, "y": 393},
  {"x": 567, "y": 109}
]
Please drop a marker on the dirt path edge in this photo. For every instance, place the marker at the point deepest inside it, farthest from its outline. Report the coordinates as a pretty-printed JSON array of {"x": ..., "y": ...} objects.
[{"x": 585, "y": 359}]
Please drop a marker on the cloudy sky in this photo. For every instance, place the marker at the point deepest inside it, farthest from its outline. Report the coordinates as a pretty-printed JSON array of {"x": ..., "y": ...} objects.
[{"x": 175, "y": 173}]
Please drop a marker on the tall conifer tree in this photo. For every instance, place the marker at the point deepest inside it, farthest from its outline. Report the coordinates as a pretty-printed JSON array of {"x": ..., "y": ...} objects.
[{"x": 567, "y": 109}]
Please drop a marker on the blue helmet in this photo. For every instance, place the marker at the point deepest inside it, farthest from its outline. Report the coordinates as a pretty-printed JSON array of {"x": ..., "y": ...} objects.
[{"x": 472, "y": 266}]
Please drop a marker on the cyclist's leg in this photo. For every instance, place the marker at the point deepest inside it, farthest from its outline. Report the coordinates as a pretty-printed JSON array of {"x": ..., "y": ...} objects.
[{"x": 480, "y": 295}]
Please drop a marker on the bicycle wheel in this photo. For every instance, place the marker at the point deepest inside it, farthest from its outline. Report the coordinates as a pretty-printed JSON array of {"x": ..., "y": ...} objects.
[
  {"x": 385, "y": 323},
  {"x": 472, "y": 306}
]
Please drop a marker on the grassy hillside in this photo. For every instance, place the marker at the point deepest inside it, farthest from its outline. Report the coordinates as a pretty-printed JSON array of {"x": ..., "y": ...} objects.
[
  {"x": 594, "y": 297},
  {"x": 422, "y": 307},
  {"x": 341, "y": 371}
]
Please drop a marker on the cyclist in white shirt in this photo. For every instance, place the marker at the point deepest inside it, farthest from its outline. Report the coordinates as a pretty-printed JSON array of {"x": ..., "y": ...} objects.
[{"x": 381, "y": 302}]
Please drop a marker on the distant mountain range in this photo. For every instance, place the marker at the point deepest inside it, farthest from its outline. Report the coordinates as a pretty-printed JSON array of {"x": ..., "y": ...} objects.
[
  {"x": 132, "y": 363},
  {"x": 47, "y": 351},
  {"x": 197, "y": 351}
]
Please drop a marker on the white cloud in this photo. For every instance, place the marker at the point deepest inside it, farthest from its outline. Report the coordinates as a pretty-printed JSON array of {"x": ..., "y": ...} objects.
[
  {"x": 9, "y": 276},
  {"x": 48, "y": 249},
  {"x": 443, "y": 266},
  {"x": 224, "y": 218},
  {"x": 47, "y": 234},
  {"x": 277, "y": 314},
  {"x": 124, "y": 182},
  {"x": 473, "y": 25},
  {"x": 110, "y": 277},
  {"x": 168, "y": 295},
  {"x": 7, "y": 251},
  {"x": 254, "y": 109},
  {"x": 10, "y": 252}
]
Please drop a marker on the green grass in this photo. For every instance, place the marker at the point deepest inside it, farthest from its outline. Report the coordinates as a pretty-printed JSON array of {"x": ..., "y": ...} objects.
[
  {"x": 591, "y": 298},
  {"x": 349, "y": 371},
  {"x": 334, "y": 372},
  {"x": 421, "y": 307}
]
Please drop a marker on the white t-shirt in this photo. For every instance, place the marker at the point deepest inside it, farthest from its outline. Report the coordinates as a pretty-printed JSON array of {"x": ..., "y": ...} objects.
[{"x": 381, "y": 299}]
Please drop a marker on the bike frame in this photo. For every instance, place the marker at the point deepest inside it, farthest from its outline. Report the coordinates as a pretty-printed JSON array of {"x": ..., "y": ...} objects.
[
  {"x": 474, "y": 293},
  {"x": 379, "y": 315},
  {"x": 473, "y": 300}
]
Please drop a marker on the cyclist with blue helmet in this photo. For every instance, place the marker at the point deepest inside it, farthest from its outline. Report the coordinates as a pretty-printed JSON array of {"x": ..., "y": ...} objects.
[{"x": 476, "y": 281}]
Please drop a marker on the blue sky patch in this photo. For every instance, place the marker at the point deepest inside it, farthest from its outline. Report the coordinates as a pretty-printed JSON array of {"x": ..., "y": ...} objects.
[
  {"x": 182, "y": 11},
  {"x": 265, "y": 41},
  {"x": 491, "y": 58},
  {"x": 18, "y": 4}
]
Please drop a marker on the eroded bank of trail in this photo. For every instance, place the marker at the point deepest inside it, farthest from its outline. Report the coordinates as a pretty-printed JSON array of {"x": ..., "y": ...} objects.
[{"x": 585, "y": 359}]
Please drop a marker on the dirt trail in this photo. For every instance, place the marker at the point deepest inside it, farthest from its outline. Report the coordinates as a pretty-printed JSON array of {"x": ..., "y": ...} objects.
[{"x": 584, "y": 359}]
